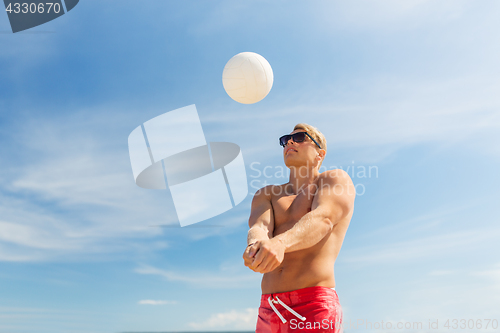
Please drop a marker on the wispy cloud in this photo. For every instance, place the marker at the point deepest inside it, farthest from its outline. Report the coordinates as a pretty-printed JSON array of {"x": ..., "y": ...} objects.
[
  {"x": 406, "y": 15},
  {"x": 384, "y": 114},
  {"x": 222, "y": 278},
  {"x": 492, "y": 274},
  {"x": 234, "y": 319},
  {"x": 435, "y": 246},
  {"x": 420, "y": 224},
  {"x": 450, "y": 296},
  {"x": 71, "y": 192},
  {"x": 441, "y": 272},
  {"x": 459, "y": 292},
  {"x": 155, "y": 302},
  {"x": 75, "y": 195}
]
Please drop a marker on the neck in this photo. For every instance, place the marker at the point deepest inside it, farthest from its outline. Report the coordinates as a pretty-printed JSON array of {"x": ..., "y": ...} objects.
[{"x": 301, "y": 176}]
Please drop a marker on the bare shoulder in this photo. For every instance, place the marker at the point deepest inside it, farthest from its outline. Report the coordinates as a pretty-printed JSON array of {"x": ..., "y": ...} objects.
[
  {"x": 336, "y": 176},
  {"x": 337, "y": 185},
  {"x": 267, "y": 192},
  {"x": 336, "y": 189},
  {"x": 264, "y": 193}
]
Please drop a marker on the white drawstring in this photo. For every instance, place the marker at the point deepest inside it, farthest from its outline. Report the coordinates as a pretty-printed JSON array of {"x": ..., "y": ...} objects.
[
  {"x": 276, "y": 311},
  {"x": 271, "y": 301}
]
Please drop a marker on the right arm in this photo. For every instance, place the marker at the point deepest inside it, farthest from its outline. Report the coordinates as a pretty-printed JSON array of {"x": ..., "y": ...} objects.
[{"x": 261, "y": 222}]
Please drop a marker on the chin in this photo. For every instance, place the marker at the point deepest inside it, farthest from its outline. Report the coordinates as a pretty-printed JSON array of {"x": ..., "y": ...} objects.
[{"x": 291, "y": 163}]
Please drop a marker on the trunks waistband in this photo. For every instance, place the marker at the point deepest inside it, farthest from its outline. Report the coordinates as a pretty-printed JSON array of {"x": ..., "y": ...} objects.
[{"x": 301, "y": 295}]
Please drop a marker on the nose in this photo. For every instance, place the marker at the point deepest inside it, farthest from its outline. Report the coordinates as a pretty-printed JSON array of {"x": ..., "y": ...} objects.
[{"x": 289, "y": 141}]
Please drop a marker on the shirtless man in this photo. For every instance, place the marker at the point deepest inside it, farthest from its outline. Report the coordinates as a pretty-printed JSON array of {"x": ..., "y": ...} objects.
[{"x": 296, "y": 232}]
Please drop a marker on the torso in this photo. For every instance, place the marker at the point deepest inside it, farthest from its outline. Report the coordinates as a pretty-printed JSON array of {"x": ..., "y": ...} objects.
[{"x": 309, "y": 267}]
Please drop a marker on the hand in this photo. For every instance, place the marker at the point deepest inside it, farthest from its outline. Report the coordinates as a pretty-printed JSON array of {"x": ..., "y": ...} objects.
[
  {"x": 247, "y": 258},
  {"x": 265, "y": 255}
]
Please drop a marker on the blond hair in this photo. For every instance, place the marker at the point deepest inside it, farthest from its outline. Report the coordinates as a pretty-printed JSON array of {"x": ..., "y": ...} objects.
[{"x": 315, "y": 133}]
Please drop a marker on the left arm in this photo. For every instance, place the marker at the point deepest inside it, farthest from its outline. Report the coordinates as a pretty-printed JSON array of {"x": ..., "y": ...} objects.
[{"x": 333, "y": 201}]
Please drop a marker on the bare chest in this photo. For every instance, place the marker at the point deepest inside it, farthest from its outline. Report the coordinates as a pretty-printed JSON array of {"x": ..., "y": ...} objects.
[{"x": 288, "y": 209}]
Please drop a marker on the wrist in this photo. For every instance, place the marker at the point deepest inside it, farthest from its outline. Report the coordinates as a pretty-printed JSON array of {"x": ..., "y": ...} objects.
[{"x": 280, "y": 241}]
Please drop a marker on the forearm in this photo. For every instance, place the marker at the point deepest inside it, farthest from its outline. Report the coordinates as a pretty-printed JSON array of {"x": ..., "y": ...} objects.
[
  {"x": 257, "y": 233},
  {"x": 307, "y": 232}
]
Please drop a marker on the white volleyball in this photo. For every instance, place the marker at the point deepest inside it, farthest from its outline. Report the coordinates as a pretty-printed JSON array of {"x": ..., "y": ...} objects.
[{"x": 247, "y": 77}]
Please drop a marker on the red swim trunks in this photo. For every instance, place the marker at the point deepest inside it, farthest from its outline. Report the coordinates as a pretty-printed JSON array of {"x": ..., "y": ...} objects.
[{"x": 311, "y": 310}]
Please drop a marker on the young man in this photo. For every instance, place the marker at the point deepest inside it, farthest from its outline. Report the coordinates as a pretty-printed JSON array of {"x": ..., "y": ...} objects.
[{"x": 296, "y": 232}]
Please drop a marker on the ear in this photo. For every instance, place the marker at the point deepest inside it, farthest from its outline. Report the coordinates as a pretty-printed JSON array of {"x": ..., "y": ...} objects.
[{"x": 321, "y": 153}]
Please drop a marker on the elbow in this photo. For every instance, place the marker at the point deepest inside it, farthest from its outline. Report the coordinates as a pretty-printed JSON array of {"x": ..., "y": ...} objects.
[
  {"x": 262, "y": 230},
  {"x": 329, "y": 224}
]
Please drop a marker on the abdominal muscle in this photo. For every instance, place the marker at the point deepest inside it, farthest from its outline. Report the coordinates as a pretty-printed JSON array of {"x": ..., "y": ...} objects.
[{"x": 309, "y": 267}]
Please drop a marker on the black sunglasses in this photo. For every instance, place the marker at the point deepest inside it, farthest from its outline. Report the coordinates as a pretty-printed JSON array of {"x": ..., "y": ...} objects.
[{"x": 297, "y": 137}]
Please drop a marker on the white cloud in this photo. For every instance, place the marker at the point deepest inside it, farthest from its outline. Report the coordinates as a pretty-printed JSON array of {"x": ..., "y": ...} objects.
[
  {"x": 225, "y": 277},
  {"x": 441, "y": 245},
  {"x": 378, "y": 117},
  {"x": 444, "y": 294},
  {"x": 441, "y": 272},
  {"x": 492, "y": 275},
  {"x": 67, "y": 189},
  {"x": 234, "y": 319},
  {"x": 448, "y": 298},
  {"x": 220, "y": 17},
  {"x": 15, "y": 312},
  {"x": 363, "y": 14},
  {"x": 155, "y": 302}
]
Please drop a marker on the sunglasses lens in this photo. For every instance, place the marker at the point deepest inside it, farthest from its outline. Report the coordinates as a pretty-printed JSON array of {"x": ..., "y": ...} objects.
[
  {"x": 299, "y": 137},
  {"x": 284, "y": 139}
]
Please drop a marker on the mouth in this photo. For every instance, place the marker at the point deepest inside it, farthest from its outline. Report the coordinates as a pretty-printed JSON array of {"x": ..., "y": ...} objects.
[{"x": 290, "y": 149}]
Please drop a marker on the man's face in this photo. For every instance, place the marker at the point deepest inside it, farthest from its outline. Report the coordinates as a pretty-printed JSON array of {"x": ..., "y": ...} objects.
[{"x": 296, "y": 154}]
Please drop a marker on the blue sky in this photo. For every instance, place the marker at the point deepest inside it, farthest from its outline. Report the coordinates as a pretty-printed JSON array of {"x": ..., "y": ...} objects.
[{"x": 409, "y": 88}]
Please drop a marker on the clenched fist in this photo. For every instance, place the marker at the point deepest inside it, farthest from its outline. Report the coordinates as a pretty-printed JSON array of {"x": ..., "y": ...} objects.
[{"x": 264, "y": 256}]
